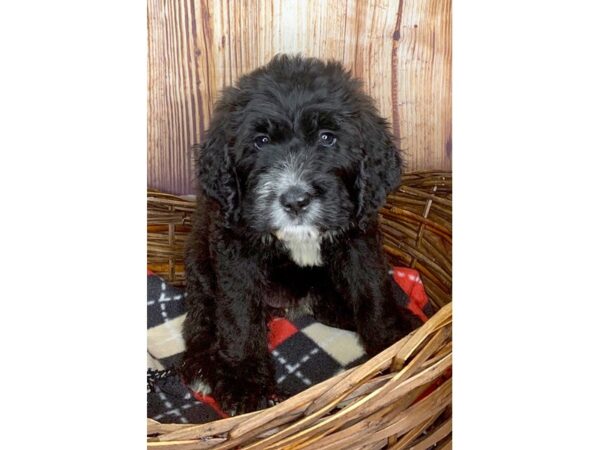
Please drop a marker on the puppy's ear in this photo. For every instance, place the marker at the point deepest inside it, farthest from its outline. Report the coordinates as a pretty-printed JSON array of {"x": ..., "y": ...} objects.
[
  {"x": 215, "y": 171},
  {"x": 380, "y": 169}
]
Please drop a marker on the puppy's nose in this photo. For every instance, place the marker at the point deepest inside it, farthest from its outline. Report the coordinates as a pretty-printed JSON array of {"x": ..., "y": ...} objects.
[{"x": 295, "y": 200}]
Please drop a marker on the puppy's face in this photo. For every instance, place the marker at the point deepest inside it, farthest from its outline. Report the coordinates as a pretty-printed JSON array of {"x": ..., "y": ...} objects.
[
  {"x": 297, "y": 168},
  {"x": 297, "y": 151}
]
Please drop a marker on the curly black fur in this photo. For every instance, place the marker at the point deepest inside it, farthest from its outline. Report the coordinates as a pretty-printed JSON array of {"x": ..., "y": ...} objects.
[{"x": 248, "y": 256}]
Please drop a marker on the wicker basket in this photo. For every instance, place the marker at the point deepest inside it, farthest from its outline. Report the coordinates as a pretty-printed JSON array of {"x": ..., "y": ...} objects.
[{"x": 399, "y": 399}]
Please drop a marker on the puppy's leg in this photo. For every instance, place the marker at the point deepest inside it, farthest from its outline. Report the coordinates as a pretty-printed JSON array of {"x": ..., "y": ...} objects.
[
  {"x": 330, "y": 308},
  {"x": 230, "y": 353},
  {"x": 360, "y": 273},
  {"x": 198, "y": 327},
  {"x": 246, "y": 375}
]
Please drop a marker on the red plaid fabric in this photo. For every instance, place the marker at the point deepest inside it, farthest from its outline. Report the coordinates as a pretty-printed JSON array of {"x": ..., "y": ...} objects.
[{"x": 305, "y": 351}]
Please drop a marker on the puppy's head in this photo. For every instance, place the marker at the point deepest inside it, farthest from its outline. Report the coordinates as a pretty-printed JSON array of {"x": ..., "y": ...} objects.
[{"x": 297, "y": 150}]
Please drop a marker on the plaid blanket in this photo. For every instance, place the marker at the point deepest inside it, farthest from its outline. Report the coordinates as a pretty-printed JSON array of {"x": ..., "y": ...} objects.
[{"x": 305, "y": 351}]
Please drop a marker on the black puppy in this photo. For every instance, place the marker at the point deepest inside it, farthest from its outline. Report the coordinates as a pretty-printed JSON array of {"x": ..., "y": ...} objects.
[{"x": 293, "y": 169}]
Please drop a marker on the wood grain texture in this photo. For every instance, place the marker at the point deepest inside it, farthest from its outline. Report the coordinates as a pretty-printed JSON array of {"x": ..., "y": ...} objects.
[{"x": 400, "y": 49}]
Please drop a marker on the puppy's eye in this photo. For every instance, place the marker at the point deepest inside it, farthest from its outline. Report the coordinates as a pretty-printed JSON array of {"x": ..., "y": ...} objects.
[
  {"x": 327, "y": 139},
  {"x": 261, "y": 141}
]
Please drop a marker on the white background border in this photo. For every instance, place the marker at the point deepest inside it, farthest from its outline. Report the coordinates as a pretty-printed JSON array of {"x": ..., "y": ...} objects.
[{"x": 73, "y": 179}]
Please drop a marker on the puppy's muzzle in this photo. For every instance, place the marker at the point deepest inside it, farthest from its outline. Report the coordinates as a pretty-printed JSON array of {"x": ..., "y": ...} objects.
[{"x": 295, "y": 200}]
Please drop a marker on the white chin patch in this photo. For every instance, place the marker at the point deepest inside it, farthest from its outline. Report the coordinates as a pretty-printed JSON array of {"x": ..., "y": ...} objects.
[{"x": 303, "y": 243}]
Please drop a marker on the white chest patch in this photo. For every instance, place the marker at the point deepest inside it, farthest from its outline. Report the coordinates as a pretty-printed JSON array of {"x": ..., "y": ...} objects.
[
  {"x": 305, "y": 252},
  {"x": 303, "y": 243}
]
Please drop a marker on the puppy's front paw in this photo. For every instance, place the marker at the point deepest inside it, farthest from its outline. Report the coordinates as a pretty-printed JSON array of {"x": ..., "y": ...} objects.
[
  {"x": 238, "y": 395},
  {"x": 246, "y": 386},
  {"x": 191, "y": 368}
]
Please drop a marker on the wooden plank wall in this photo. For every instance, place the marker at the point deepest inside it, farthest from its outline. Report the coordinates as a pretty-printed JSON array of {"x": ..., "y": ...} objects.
[{"x": 401, "y": 49}]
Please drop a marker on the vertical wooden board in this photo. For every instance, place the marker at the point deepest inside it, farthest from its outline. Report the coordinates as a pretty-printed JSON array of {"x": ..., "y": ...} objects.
[
  {"x": 173, "y": 100},
  {"x": 422, "y": 78},
  {"x": 401, "y": 50}
]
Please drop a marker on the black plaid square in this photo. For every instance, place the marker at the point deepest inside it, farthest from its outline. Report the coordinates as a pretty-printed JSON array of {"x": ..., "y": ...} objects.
[{"x": 301, "y": 363}]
